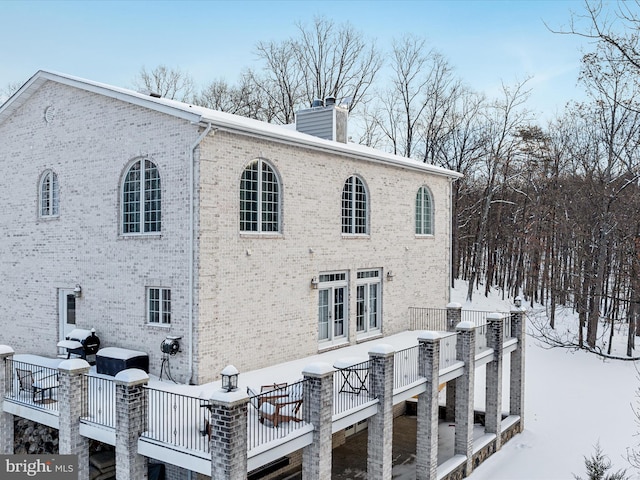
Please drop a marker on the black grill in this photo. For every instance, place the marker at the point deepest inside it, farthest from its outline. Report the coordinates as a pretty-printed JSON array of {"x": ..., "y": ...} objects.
[{"x": 81, "y": 343}]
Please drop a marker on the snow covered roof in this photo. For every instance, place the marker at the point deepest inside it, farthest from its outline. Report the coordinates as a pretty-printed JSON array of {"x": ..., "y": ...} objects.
[{"x": 218, "y": 120}]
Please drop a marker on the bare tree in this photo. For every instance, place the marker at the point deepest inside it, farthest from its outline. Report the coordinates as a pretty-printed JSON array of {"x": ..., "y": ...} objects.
[
  {"x": 171, "y": 83},
  {"x": 9, "y": 89},
  {"x": 281, "y": 83},
  {"x": 336, "y": 61}
]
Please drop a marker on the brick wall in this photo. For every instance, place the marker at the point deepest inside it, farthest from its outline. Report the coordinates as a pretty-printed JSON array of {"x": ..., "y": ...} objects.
[{"x": 253, "y": 302}]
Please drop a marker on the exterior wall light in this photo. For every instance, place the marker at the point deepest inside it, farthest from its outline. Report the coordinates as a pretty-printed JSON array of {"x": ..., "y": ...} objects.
[
  {"x": 314, "y": 283},
  {"x": 77, "y": 292},
  {"x": 229, "y": 378},
  {"x": 517, "y": 301},
  {"x": 390, "y": 275}
]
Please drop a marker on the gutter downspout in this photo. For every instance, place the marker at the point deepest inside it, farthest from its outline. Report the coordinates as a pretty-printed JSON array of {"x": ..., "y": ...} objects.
[{"x": 192, "y": 159}]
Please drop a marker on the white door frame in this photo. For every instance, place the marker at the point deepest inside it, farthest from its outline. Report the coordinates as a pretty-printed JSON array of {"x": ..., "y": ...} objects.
[{"x": 64, "y": 327}]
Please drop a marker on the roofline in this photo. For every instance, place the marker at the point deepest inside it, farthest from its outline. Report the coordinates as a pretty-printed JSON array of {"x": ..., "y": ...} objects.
[
  {"x": 225, "y": 121},
  {"x": 41, "y": 76}
]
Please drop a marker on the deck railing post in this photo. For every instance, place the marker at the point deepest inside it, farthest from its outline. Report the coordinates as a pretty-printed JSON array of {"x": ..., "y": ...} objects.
[
  {"x": 317, "y": 409},
  {"x": 131, "y": 421},
  {"x": 73, "y": 406},
  {"x": 6, "y": 419},
  {"x": 493, "y": 384},
  {"x": 516, "y": 400},
  {"x": 454, "y": 316},
  {"x": 427, "y": 436},
  {"x": 229, "y": 435},
  {"x": 465, "y": 349},
  {"x": 380, "y": 435}
]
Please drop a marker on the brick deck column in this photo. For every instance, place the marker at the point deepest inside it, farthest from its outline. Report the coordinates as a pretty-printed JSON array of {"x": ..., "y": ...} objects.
[
  {"x": 427, "y": 436},
  {"x": 229, "y": 435},
  {"x": 72, "y": 405},
  {"x": 6, "y": 419},
  {"x": 516, "y": 399},
  {"x": 380, "y": 435},
  {"x": 465, "y": 349},
  {"x": 131, "y": 421},
  {"x": 317, "y": 408},
  {"x": 493, "y": 414},
  {"x": 454, "y": 317}
]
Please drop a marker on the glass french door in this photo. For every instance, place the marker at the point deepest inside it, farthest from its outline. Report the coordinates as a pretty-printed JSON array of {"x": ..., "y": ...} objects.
[
  {"x": 332, "y": 307},
  {"x": 368, "y": 293}
]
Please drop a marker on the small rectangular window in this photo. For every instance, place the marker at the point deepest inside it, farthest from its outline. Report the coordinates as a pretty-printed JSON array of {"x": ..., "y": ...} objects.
[{"x": 159, "y": 305}]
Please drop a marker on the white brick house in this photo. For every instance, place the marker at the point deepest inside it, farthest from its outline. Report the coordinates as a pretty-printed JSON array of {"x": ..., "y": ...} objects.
[{"x": 255, "y": 243}]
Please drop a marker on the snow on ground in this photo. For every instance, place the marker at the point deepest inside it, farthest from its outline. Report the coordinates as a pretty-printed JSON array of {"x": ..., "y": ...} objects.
[{"x": 572, "y": 401}]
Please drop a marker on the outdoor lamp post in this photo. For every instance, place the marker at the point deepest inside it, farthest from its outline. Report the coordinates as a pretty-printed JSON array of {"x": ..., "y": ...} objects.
[{"x": 229, "y": 378}]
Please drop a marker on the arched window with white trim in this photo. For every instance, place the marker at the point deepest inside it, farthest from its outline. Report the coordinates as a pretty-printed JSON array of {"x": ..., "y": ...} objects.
[
  {"x": 424, "y": 212},
  {"x": 49, "y": 195},
  {"x": 354, "y": 207},
  {"x": 259, "y": 198},
  {"x": 141, "y": 199}
]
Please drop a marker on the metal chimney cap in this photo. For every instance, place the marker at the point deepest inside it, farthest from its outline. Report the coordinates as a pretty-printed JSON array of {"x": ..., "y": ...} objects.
[{"x": 330, "y": 101}]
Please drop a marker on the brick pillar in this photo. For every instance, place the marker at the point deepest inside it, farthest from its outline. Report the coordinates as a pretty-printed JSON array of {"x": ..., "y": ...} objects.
[
  {"x": 380, "y": 435},
  {"x": 465, "y": 349},
  {"x": 72, "y": 398},
  {"x": 131, "y": 421},
  {"x": 317, "y": 408},
  {"x": 427, "y": 437},
  {"x": 6, "y": 419},
  {"x": 493, "y": 413},
  {"x": 228, "y": 435},
  {"x": 516, "y": 400},
  {"x": 454, "y": 317}
]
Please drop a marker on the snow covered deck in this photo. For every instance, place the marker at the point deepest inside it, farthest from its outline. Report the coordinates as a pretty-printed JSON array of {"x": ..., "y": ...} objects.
[{"x": 177, "y": 414}]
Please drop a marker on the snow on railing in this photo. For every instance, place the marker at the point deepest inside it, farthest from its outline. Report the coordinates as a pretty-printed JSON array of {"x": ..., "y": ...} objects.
[
  {"x": 100, "y": 398},
  {"x": 31, "y": 384},
  {"x": 405, "y": 367}
]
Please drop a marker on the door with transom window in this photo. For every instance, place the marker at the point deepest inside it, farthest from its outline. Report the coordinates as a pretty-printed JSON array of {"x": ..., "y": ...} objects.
[
  {"x": 369, "y": 296},
  {"x": 332, "y": 307}
]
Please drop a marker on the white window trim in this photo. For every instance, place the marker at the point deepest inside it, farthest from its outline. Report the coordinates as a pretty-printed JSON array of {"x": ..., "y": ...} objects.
[
  {"x": 353, "y": 216},
  {"x": 53, "y": 194},
  {"x": 323, "y": 285},
  {"x": 260, "y": 231},
  {"x": 141, "y": 201},
  {"x": 161, "y": 311},
  {"x": 431, "y": 213},
  {"x": 368, "y": 331}
]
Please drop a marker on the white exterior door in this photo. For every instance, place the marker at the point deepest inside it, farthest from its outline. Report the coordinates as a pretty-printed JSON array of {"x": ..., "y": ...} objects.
[
  {"x": 332, "y": 307},
  {"x": 66, "y": 311}
]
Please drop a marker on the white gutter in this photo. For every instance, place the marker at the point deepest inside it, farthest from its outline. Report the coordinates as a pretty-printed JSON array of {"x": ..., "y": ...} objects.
[{"x": 192, "y": 160}]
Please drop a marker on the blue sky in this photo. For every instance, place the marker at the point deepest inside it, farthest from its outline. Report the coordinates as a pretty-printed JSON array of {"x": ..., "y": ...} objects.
[{"x": 488, "y": 42}]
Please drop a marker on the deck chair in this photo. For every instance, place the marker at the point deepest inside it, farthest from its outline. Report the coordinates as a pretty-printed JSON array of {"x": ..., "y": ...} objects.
[
  {"x": 280, "y": 411},
  {"x": 36, "y": 386}
]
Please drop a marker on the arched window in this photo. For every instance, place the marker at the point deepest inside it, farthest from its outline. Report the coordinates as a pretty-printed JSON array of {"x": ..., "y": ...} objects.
[
  {"x": 424, "y": 212},
  {"x": 141, "y": 199},
  {"x": 259, "y": 198},
  {"x": 354, "y": 207},
  {"x": 49, "y": 194}
]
